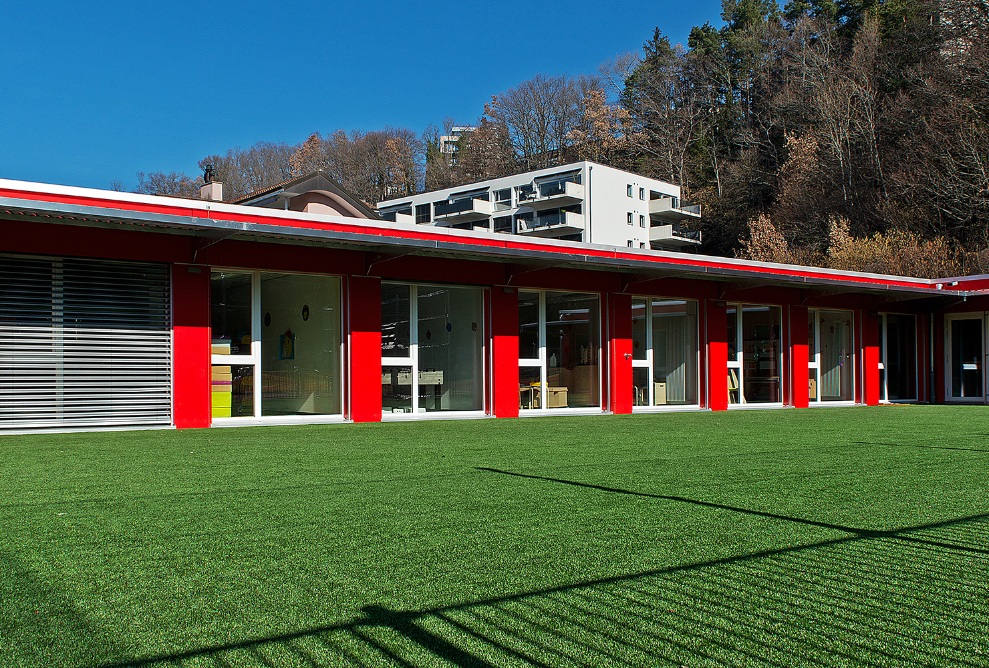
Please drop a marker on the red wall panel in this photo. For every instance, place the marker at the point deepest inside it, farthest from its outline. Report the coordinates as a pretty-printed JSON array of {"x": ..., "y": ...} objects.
[
  {"x": 620, "y": 348},
  {"x": 799, "y": 358},
  {"x": 870, "y": 359},
  {"x": 364, "y": 307},
  {"x": 190, "y": 346},
  {"x": 505, "y": 350},
  {"x": 717, "y": 354}
]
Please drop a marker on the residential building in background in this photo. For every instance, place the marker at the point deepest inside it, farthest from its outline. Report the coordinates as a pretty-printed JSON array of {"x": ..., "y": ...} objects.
[
  {"x": 449, "y": 144},
  {"x": 582, "y": 201}
]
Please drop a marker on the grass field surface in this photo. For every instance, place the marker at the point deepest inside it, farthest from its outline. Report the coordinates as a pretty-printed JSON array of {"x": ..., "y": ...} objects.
[{"x": 815, "y": 537}]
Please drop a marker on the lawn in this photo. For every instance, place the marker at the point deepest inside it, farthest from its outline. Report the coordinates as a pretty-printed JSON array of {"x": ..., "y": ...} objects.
[{"x": 829, "y": 537}]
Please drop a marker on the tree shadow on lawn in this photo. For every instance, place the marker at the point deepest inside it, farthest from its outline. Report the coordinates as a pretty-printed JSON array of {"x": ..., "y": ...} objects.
[
  {"x": 910, "y": 596},
  {"x": 39, "y": 627}
]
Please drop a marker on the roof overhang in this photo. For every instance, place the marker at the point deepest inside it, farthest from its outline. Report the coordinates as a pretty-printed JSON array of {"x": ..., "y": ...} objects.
[{"x": 95, "y": 208}]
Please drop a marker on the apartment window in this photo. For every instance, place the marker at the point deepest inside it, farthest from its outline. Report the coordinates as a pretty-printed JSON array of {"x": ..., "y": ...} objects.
[
  {"x": 642, "y": 220},
  {"x": 422, "y": 213},
  {"x": 629, "y": 217},
  {"x": 503, "y": 224},
  {"x": 628, "y": 191},
  {"x": 503, "y": 199},
  {"x": 642, "y": 194}
]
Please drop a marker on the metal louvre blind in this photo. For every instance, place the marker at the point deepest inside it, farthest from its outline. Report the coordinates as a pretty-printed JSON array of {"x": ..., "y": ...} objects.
[{"x": 83, "y": 343}]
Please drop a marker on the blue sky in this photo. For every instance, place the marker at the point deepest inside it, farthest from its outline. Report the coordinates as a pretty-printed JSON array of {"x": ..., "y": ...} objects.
[{"x": 94, "y": 92}]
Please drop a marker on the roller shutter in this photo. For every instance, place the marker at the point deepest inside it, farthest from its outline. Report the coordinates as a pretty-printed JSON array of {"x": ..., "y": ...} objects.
[{"x": 83, "y": 343}]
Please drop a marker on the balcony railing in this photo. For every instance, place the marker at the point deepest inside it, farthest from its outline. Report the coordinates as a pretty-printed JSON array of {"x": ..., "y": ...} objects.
[
  {"x": 463, "y": 210},
  {"x": 551, "y": 194},
  {"x": 670, "y": 208},
  {"x": 552, "y": 224},
  {"x": 673, "y": 236}
]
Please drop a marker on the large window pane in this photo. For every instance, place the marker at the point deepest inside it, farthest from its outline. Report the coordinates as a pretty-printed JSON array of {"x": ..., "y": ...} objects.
[
  {"x": 450, "y": 342},
  {"x": 901, "y": 357},
  {"x": 396, "y": 389},
  {"x": 836, "y": 370},
  {"x": 529, "y": 392},
  {"x": 966, "y": 358},
  {"x": 732, "y": 320},
  {"x": 395, "y": 313},
  {"x": 674, "y": 337},
  {"x": 300, "y": 336},
  {"x": 230, "y": 313},
  {"x": 241, "y": 397},
  {"x": 572, "y": 348},
  {"x": 640, "y": 386},
  {"x": 639, "y": 318},
  {"x": 528, "y": 325},
  {"x": 762, "y": 354}
]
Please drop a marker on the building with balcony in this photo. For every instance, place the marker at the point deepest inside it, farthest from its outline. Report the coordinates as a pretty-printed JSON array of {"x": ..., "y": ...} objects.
[{"x": 581, "y": 201}]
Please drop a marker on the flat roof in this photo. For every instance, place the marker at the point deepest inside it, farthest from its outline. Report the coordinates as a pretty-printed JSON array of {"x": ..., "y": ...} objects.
[{"x": 91, "y": 207}]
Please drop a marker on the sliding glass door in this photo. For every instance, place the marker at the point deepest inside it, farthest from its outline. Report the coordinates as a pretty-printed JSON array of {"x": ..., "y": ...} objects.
[
  {"x": 276, "y": 345},
  {"x": 831, "y": 362},
  {"x": 664, "y": 352},
  {"x": 559, "y": 349},
  {"x": 898, "y": 357},
  {"x": 432, "y": 349},
  {"x": 965, "y": 350},
  {"x": 755, "y": 354}
]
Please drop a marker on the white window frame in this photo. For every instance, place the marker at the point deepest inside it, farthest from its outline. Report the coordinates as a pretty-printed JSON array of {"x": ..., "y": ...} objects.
[
  {"x": 412, "y": 360},
  {"x": 737, "y": 365},
  {"x": 541, "y": 362},
  {"x": 254, "y": 358},
  {"x": 983, "y": 318},
  {"x": 814, "y": 361},
  {"x": 648, "y": 362}
]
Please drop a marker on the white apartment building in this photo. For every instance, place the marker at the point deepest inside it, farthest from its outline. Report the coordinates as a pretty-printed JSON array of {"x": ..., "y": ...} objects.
[{"x": 582, "y": 201}]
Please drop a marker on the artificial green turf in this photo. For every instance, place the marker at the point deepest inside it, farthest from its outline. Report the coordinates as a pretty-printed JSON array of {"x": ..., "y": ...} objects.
[{"x": 830, "y": 537}]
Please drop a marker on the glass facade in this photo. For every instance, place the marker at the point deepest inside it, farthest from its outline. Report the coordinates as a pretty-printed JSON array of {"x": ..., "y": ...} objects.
[
  {"x": 755, "y": 355},
  {"x": 830, "y": 356},
  {"x": 433, "y": 352},
  {"x": 276, "y": 345},
  {"x": 664, "y": 352},
  {"x": 300, "y": 345},
  {"x": 965, "y": 371},
  {"x": 899, "y": 357},
  {"x": 559, "y": 349}
]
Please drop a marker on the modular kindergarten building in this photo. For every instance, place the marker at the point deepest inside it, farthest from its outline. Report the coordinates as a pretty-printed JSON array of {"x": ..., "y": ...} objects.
[{"x": 123, "y": 310}]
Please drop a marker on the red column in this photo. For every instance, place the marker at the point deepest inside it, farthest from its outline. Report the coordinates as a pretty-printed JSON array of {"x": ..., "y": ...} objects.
[
  {"x": 505, "y": 351},
  {"x": 716, "y": 317},
  {"x": 799, "y": 358},
  {"x": 620, "y": 347},
  {"x": 870, "y": 359},
  {"x": 940, "y": 359},
  {"x": 364, "y": 307},
  {"x": 191, "y": 346}
]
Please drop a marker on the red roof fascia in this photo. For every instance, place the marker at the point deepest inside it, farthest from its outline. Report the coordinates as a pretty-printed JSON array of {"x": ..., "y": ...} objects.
[{"x": 260, "y": 218}]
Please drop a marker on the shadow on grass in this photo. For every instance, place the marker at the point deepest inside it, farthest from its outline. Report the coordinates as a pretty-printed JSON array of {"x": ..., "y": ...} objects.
[
  {"x": 41, "y": 628},
  {"x": 916, "y": 595}
]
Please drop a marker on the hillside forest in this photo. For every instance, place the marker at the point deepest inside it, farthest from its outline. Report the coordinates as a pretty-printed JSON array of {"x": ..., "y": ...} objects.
[{"x": 851, "y": 134}]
